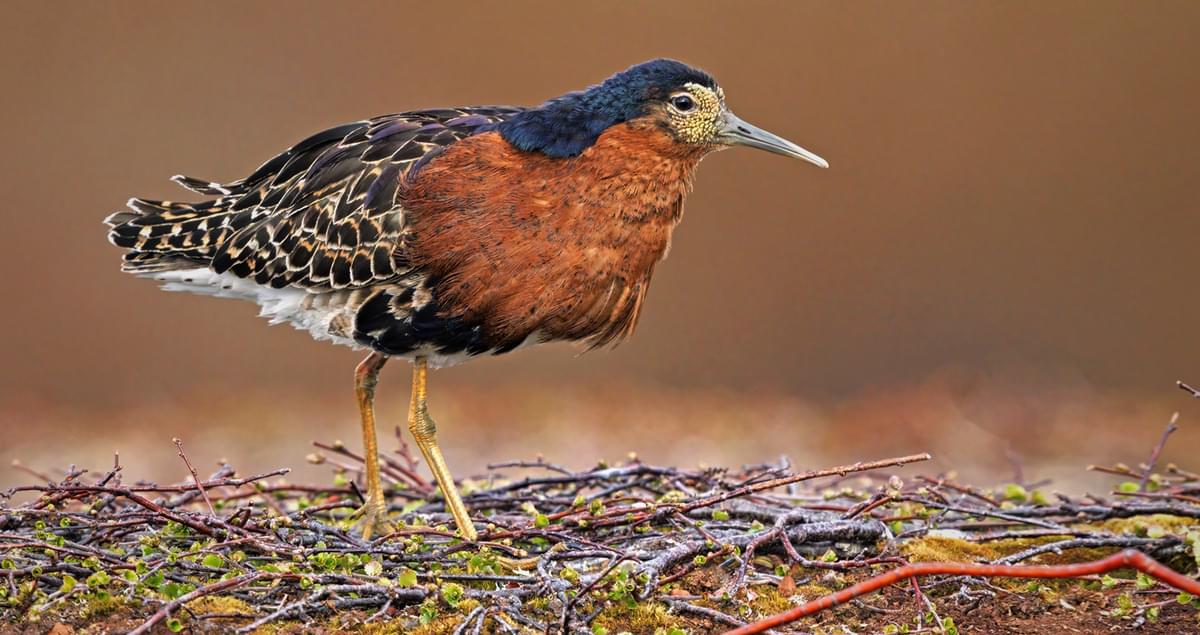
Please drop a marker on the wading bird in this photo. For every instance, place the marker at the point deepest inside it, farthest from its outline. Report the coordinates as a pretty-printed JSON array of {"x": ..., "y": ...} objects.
[{"x": 439, "y": 235}]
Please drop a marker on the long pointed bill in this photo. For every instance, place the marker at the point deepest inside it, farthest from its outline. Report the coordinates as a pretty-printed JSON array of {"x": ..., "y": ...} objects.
[{"x": 734, "y": 131}]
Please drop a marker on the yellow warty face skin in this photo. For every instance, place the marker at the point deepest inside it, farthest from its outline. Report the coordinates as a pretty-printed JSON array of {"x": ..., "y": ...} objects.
[{"x": 701, "y": 123}]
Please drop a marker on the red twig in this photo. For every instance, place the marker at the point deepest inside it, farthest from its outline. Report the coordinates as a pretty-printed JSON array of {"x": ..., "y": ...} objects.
[
  {"x": 1126, "y": 558},
  {"x": 195, "y": 477}
]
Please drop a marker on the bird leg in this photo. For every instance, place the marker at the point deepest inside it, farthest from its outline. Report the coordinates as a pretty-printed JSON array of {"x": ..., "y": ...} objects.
[
  {"x": 425, "y": 432},
  {"x": 373, "y": 514}
]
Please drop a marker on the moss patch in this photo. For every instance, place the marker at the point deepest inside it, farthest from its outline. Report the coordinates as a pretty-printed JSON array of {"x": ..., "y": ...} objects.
[
  {"x": 646, "y": 617},
  {"x": 1149, "y": 525}
]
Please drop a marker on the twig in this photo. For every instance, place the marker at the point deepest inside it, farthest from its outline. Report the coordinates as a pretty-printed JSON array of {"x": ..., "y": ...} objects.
[
  {"x": 1171, "y": 427},
  {"x": 1124, "y": 559},
  {"x": 195, "y": 477},
  {"x": 1077, "y": 543},
  {"x": 215, "y": 587},
  {"x": 683, "y": 606},
  {"x": 1195, "y": 392},
  {"x": 804, "y": 476}
]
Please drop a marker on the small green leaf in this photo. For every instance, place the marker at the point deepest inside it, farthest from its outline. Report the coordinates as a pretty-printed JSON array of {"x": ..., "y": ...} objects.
[
  {"x": 174, "y": 625},
  {"x": 174, "y": 590},
  {"x": 68, "y": 583},
  {"x": 452, "y": 593},
  {"x": 407, "y": 577},
  {"x": 541, "y": 520},
  {"x": 700, "y": 561},
  {"x": 373, "y": 568},
  {"x": 1014, "y": 492},
  {"x": 98, "y": 580},
  {"x": 720, "y": 514},
  {"x": 1125, "y": 602},
  {"x": 429, "y": 613},
  {"x": 213, "y": 560},
  {"x": 1128, "y": 487}
]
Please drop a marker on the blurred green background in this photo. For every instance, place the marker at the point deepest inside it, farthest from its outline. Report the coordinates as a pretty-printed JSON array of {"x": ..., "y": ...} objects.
[{"x": 999, "y": 263}]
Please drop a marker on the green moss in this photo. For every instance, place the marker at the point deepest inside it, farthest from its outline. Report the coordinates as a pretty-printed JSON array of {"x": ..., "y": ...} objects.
[
  {"x": 770, "y": 601},
  {"x": 98, "y": 606},
  {"x": 943, "y": 549},
  {"x": 220, "y": 604},
  {"x": 1150, "y": 524},
  {"x": 387, "y": 627},
  {"x": 645, "y": 617},
  {"x": 812, "y": 591},
  {"x": 442, "y": 625}
]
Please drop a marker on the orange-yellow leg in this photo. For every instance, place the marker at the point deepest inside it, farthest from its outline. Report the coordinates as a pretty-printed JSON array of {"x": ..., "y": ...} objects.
[
  {"x": 373, "y": 514},
  {"x": 424, "y": 431}
]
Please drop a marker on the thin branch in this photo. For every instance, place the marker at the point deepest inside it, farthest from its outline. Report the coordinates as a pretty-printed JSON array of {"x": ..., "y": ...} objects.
[
  {"x": 195, "y": 477},
  {"x": 216, "y": 587},
  {"x": 1125, "y": 559},
  {"x": 1171, "y": 427}
]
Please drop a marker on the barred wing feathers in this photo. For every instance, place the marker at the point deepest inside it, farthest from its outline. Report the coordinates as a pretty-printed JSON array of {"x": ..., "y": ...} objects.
[{"x": 322, "y": 215}]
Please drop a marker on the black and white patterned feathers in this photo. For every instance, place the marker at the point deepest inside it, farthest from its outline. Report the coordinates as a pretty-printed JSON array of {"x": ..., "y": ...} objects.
[
  {"x": 323, "y": 214},
  {"x": 316, "y": 236}
]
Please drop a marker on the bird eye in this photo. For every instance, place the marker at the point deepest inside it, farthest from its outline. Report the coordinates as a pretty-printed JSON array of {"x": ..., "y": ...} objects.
[{"x": 682, "y": 103}]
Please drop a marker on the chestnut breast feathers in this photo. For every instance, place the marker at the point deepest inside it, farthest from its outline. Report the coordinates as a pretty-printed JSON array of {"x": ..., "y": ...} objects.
[{"x": 563, "y": 249}]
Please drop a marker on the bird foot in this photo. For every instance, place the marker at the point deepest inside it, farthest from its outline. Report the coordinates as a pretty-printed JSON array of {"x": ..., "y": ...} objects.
[{"x": 371, "y": 520}]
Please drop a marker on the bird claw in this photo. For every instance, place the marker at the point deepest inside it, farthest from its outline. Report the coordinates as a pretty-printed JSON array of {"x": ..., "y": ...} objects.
[{"x": 371, "y": 519}]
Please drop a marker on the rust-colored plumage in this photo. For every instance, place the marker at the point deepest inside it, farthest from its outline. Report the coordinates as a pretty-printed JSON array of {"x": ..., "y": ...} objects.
[
  {"x": 525, "y": 244},
  {"x": 438, "y": 235}
]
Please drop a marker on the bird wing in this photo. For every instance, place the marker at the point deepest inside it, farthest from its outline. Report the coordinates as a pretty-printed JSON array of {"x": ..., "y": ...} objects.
[{"x": 322, "y": 215}]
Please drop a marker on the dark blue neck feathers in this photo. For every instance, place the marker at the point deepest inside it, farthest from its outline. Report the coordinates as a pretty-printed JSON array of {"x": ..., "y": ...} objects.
[{"x": 566, "y": 126}]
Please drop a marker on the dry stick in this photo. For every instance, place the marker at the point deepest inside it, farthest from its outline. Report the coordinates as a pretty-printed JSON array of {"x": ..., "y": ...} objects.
[
  {"x": 215, "y": 587},
  {"x": 1128, "y": 558},
  {"x": 683, "y": 606},
  {"x": 804, "y": 476},
  {"x": 1160, "y": 495},
  {"x": 1186, "y": 388},
  {"x": 195, "y": 477},
  {"x": 1171, "y": 427},
  {"x": 163, "y": 489},
  {"x": 18, "y": 465}
]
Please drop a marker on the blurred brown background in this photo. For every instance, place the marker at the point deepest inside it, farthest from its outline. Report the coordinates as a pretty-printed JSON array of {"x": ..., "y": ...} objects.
[{"x": 1002, "y": 255}]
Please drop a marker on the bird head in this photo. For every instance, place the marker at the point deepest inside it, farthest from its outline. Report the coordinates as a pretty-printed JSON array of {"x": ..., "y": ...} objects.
[{"x": 685, "y": 101}]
